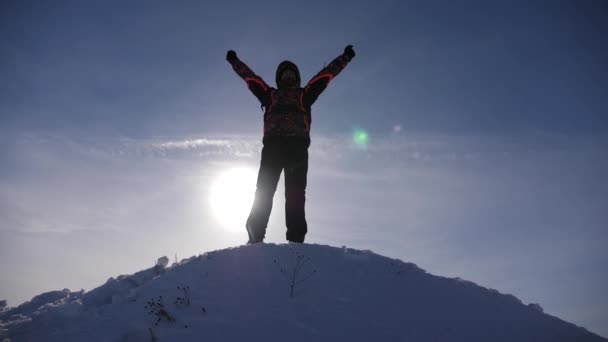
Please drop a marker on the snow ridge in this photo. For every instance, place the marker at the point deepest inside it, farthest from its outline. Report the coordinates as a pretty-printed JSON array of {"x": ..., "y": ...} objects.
[{"x": 331, "y": 294}]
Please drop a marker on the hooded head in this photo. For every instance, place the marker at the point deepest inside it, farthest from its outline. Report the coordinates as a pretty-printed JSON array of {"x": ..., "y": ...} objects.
[{"x": 291, "y": 78}]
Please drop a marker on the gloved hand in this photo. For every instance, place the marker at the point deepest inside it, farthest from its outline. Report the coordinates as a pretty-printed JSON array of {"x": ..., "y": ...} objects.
[
  {"x": 231, "y": 56},
  {"x": 349, "y": 52}
]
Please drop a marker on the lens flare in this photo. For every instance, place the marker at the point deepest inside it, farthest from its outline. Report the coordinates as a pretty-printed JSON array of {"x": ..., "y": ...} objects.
[{"x": 360, "y": 137}]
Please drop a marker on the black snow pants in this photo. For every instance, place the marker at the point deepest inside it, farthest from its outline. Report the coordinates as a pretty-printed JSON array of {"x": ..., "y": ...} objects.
[{"x": 278, "y": 154}]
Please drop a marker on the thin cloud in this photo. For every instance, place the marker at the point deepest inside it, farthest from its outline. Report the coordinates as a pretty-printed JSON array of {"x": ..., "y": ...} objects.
[
  {"x": 193, "y": 143},
  {"x": 153, "y": 147}
]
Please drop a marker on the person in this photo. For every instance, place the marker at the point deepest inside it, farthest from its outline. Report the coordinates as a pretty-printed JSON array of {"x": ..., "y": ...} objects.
[{"x": 287, "y": 119}]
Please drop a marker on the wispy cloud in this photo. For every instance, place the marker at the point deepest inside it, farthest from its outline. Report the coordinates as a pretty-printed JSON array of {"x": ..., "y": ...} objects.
[
  {"x": 162, "y": 147},
  {"x": 193, "y": 143}
]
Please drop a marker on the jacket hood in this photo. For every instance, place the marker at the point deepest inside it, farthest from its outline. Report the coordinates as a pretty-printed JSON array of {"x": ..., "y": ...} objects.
[{"x": 288, "y": 65}]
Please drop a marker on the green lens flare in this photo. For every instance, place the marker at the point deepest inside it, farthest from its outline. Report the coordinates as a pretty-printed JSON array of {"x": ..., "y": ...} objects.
[{"x": 360, "y": 137}]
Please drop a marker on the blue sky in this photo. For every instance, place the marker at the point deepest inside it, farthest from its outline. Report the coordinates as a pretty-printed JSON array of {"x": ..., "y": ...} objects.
[{"x": 115, "y": 118}]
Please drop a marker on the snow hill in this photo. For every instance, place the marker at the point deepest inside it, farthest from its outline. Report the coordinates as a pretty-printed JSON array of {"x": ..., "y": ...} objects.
[{"x": 245, "y": 293}]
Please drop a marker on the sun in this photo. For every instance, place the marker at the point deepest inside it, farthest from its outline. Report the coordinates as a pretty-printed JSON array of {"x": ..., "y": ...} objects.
[{"x": 231, "y": 197}]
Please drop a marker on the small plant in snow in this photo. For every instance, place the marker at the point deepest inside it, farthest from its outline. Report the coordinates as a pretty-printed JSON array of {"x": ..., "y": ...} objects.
[
  {"x": 293, "y": 275},
  {"x": 157, "y": 308},
  {"x": 185, "y": 299}
]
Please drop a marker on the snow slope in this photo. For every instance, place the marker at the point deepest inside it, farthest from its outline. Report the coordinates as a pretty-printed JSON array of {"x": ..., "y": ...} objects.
[{"x": 244, "y": 293}]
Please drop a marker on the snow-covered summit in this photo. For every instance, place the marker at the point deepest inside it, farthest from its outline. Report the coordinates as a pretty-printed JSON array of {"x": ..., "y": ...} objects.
[{"x": 293, "y": 292}]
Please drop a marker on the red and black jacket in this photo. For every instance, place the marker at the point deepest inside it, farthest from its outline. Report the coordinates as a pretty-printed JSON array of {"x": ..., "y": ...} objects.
[{"x": 287, "y": 111}]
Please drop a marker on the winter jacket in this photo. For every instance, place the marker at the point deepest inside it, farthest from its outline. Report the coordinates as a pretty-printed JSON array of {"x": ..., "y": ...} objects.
[{"x": 287, "y": 111}]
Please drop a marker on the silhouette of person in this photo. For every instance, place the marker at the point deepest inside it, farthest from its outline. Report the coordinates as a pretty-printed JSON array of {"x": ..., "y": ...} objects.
[{"x": 287, "y": 118}]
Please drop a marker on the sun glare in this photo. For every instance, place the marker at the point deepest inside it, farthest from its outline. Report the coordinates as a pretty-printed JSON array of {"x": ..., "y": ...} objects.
[{"x": 231, "y": 197}]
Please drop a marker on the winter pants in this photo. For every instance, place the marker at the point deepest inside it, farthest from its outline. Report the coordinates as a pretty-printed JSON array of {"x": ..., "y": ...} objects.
[{"x": 278, "y": 154}]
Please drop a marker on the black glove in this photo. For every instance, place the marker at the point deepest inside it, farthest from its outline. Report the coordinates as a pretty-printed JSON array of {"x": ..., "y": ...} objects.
[
  {"x": 349, "y": 52},
  {"x": 231, "y": 56}
]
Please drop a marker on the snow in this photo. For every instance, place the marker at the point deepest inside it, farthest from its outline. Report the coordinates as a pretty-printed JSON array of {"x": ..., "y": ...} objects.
[{"x": 252, "y": 292}]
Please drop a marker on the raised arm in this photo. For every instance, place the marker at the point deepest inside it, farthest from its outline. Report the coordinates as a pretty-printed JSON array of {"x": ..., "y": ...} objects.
[
  {"x": 317, "y": 84},
  {"x": 255, "y": 83}
]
